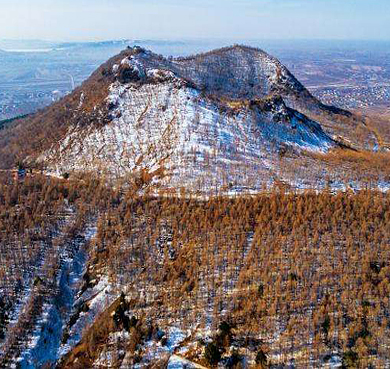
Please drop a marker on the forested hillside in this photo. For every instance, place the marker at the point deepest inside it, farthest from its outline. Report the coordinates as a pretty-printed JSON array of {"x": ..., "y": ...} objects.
[{"x": 276, "y": 278}]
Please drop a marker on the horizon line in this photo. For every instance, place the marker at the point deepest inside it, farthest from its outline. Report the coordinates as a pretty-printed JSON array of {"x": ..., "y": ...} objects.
[{"x": 91, "y": 40}]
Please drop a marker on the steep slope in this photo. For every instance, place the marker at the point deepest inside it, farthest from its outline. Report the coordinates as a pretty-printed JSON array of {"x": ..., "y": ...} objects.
[
  {"x": 36, "y": 133},
  {"x": 166, "y": 119},
  {"x": 248, "y": 73},
  {"x": 220, "y": 118}
]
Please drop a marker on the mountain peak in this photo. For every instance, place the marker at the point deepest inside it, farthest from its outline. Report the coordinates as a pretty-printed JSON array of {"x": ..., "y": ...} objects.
[
  {"x": 225, "y": 109},
  {"x": 229, "y": 111},
  {"x": 236, "y": 72},
  {"x": 236, "y": 48}
]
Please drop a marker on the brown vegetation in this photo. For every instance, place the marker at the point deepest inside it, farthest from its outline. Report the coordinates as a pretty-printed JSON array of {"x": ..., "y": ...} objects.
[
  {"x": 295, "y": 275},
  {"x": 307, "y": 274}
]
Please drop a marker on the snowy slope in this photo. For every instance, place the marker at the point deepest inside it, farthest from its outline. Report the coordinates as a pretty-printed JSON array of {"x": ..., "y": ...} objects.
[
  {"x": 162, "y": 121},
  {"x": 239, "y": 72}
]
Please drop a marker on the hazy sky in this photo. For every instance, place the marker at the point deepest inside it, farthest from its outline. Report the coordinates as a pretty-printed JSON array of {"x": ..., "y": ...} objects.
[{"x": 175, "y": 19}]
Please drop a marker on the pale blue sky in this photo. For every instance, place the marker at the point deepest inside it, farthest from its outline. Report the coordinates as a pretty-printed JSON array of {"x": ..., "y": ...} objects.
[{"x": 178, "y": 19}]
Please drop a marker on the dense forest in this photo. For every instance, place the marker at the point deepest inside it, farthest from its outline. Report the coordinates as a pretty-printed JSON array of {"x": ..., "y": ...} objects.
[{"x": 272, "y": 279}]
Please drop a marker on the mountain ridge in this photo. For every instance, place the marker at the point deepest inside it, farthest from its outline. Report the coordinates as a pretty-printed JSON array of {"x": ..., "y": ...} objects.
[
  {"x": 198, "y": 122},
  {"x": 164, "y": 119}
]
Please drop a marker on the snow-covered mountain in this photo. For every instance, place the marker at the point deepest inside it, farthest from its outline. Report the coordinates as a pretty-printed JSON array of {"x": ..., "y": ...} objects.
[{"x": 221, "y": 117}]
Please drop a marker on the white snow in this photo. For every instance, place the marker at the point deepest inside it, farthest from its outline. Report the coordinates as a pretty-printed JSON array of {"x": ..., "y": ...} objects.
[
  {"x": 163, "y": 126},
  {"x": 171, "y": 127},
  {"x": 98, "y": 299},
  {"x": 178, "y": 362},
  {"x": 41, "y": 345},
  {"x": 136, "y": 65}
]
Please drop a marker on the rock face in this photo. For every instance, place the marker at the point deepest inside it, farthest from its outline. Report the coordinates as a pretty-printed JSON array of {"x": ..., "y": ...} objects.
[{"x": 217, "y": 118}]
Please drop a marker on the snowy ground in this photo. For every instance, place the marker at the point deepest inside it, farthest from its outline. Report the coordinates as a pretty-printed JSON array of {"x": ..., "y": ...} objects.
[
  {"x": 44, "y": 343},
  {"x": 168, "y": 125}
]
